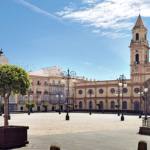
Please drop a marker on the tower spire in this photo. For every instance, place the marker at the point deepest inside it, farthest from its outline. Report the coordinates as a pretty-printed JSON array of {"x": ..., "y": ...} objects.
[{"x": 139, "y": 23}]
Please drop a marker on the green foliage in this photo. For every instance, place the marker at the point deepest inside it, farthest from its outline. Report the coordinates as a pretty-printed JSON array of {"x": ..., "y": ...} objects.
[
  {"x": 13, "y": 79},
  {"x": 30, "y": 105}
]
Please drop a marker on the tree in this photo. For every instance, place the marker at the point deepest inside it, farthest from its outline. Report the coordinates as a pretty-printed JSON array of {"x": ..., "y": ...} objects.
[{"x": 13, "y": 80}]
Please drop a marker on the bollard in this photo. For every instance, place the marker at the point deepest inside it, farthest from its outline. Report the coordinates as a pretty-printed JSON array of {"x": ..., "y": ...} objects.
[
  {"x": 53, "y": 147},
  {"x": 142, "y": 145}
]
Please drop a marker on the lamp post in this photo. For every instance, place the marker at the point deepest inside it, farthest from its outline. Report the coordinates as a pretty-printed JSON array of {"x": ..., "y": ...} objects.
[
  {"x": 118, "y": 98},
  {"x": 90, "y": 94},
  {"x": 59, "y": 96},
  {"x": 140, "y": 94},
  {"x": 29, "y": 92},
  {"x": 122, "y": 83},
  {"x": 68, "y": 75},
  {"x": 145, "y": 102},
  {"x": 0, "y": 106}
]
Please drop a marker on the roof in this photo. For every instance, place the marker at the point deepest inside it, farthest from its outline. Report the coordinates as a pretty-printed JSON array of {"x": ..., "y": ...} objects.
[{"x": 139, "y": 23}]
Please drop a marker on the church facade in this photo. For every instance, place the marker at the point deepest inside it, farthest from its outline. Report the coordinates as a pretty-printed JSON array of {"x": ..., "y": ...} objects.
[{"x": 109, "y": 95}]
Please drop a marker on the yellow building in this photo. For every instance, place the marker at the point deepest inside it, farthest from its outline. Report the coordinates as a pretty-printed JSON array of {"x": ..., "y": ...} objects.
[{"x": 108, "y": 95}]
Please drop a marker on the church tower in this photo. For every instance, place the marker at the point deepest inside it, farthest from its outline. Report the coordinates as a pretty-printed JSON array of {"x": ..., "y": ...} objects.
[{"x": 139, "y": 53}]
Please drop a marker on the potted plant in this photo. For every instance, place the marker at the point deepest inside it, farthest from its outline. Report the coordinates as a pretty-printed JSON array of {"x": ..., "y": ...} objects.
[
  {"x": 45, "y": 105},
  {"x": 13, "y": 80},
  {"x": 29, "y": 106}
]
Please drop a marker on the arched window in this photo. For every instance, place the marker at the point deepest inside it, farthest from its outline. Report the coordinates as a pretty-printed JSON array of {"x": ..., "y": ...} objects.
[
  {"x": 124, "y": 105},
  {"x": 137, "y": 36},
  {"x": 80, "y": 92},
  {"x": 101, "y": 105},
  {"x": 80, "y": 105},
  {"x": 145, "y": 37},
  {"x": 112, "y": 105},
  {"x": 137, "y": 59},
  {"x": 136, "y": 106},
  {"x": 90, "y": 105},
  {"x": 90, "y": 91},
  {"x": 101, "y": 91},
  {"x": 38, "y": 82},
  {"x": 112, "y": 90}
]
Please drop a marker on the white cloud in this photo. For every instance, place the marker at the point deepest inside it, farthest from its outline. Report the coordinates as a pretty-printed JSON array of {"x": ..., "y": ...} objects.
[
  {"x": 36, "y": 9},
  {"x": 89, "y": 1},
  {"x": 109, "y": 15}
]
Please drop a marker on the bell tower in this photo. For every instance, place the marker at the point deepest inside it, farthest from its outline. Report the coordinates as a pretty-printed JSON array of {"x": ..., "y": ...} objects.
[{"x": 139, "y": 51}]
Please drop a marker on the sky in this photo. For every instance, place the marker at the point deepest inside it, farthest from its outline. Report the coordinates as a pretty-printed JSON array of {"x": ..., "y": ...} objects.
[{"x": 90, "y": 37}]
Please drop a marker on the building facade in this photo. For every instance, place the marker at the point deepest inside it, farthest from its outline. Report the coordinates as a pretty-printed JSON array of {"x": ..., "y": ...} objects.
[
  {"x": 108, "y": 95},
  {"x": 51, "y": 89}
]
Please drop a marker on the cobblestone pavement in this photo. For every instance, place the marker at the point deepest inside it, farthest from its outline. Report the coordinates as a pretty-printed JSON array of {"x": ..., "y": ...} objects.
[{"x": 82, "y": 132}]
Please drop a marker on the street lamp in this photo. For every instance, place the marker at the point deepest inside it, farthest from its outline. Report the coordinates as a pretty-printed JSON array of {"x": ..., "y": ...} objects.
[
  {"x": 59, "y": 96},
  {"x": 0, "y": 106},
  {"x": 29, "y": 92},
  {"x": 118, "y": 98},
  {"x": 90, "y": 93},
  {"x": 68, "y": 75},
  {"x": 145, "y": 102},
  {"x": 122, "y": 83},
  {"x": 140, "y": 94}
]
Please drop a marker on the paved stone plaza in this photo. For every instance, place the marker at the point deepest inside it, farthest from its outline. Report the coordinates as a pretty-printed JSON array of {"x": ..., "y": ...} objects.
[{"x": 82, "y": 132}]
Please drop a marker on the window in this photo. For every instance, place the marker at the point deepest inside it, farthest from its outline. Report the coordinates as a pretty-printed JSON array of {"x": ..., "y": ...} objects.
[
  {"x": 137, "y": 36},
  {"x": 80, "y": 92},
  {"x": 137, "y": 59},
  {"x": 53, "y": 82},
  {"x": 38, "y": 82},
  {"x": 80, "y": 105},
  {"x": 38, "y": 92},
  {"x": 101, "y": 91},
  {"x": 145, "y": 37},
  {"x": 112, "y": 105},
  {"x": 90, "y": 105},
  {"x": 136, "y": 90},
  {"x": 136, "y": 106},
  {"x": 90, "y": 91},
  {"x": 45, "y": 92},
  {"x": 45, "y": 83},
  {"x": 124, "y": 105},
  {"x": 125, "y": 90},
  {"x": 112, "y": 90},
  {"x": 101, "y": 105}
]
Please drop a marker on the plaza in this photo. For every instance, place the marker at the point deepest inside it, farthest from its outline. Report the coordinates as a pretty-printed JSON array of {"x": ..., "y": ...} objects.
[{"x": 82, "y": 132}]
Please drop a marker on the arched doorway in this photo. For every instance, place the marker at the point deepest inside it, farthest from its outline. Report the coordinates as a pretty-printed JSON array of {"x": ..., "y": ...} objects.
[
  {"x": 112, "y": 105},
  {"x": 101, "y": 105},
  {"x": 90, "y": 105},
  {"x": 80, "y": 105},
  {"x": 136, "y": 106},
  {"x": 124, "y": 105}
]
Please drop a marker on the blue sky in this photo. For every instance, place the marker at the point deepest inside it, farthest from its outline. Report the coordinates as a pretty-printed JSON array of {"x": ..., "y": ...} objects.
[{"x": 90, "y": 37}]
